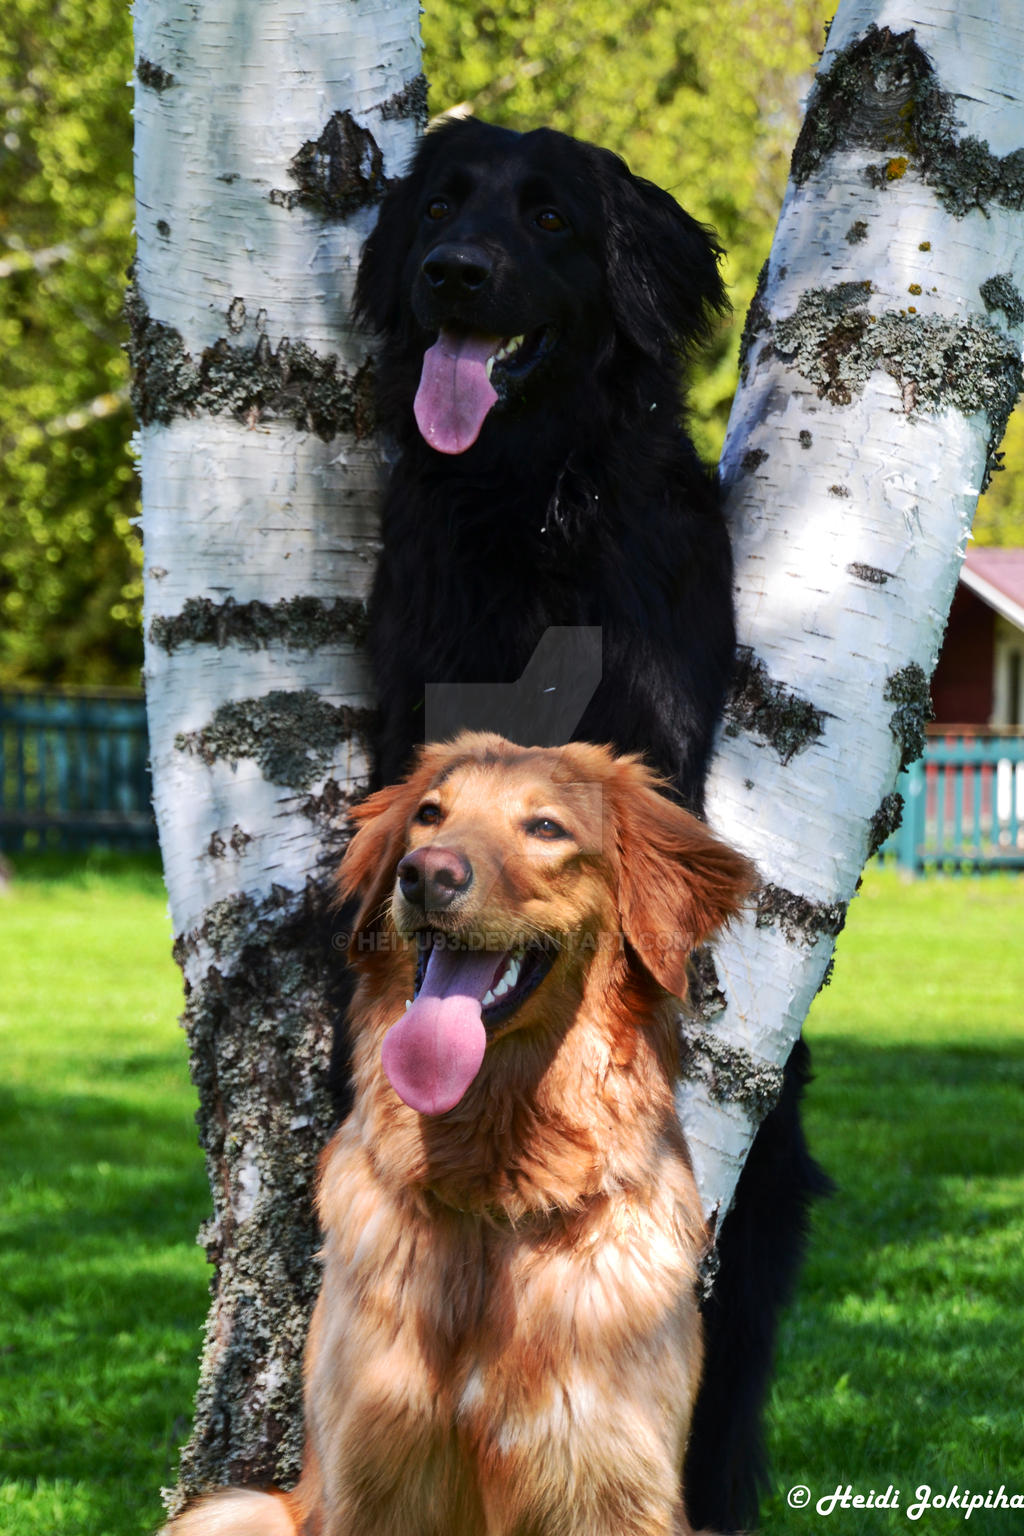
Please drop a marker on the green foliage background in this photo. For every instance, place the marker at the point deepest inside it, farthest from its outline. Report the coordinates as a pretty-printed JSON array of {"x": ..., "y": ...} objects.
[{"x": 703, "y": 98}]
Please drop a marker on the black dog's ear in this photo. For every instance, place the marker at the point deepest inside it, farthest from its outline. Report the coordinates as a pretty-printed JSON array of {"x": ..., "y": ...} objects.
[
  {"x": 379, "y": 281},
  {"x": 662, "y": 264}
]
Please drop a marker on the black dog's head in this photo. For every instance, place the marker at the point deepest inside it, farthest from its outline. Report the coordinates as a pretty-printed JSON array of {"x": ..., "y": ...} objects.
[{"x": 506, "y": 269}]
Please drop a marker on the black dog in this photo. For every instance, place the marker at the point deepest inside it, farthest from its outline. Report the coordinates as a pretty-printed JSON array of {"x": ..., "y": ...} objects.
[{"x": 536, "y": 304}]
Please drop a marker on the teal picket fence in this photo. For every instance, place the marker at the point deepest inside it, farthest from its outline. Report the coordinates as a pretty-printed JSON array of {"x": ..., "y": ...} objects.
[
  {"x": 963, "y": 806},
  {"x": 74, "y": 771}
]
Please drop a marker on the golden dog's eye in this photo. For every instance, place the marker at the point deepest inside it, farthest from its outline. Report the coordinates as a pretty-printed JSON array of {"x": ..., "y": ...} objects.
[
  {"x": 438, "y": 208},
  {"x": 546, "y": 828},
  {"x": 550, "y": 220},
  {"x": 428, "y": 814}
]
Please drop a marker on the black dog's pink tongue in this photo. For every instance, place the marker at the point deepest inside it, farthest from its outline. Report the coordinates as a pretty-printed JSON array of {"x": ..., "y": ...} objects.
[
  {"x": 433, "y": 1053},
  {"x": 455, "y": 393}
]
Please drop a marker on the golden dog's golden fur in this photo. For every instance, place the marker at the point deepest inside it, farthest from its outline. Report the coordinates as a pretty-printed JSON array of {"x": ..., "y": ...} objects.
[{"x": 507, "y": 1342}]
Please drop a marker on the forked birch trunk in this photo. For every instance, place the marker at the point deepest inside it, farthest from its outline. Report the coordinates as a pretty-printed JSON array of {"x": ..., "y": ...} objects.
[
  {"x": 264, "y": 135},
  {"x": 881, "y": 358}
]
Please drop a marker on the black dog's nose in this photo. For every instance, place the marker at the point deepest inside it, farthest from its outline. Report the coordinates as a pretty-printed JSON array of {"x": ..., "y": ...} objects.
[
  {"x": 431, "y": 878},
  {"x": 457, "y": 270}
]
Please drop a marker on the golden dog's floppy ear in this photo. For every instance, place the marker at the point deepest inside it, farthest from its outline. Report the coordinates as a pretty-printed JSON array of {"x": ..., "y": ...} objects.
[
  {"x": 367, "y": 870},
  {"x": 678, "y": 884}
]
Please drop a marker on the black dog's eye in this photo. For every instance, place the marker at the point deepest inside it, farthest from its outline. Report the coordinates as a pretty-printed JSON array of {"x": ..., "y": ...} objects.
[
  {"x": 438, "y": 208},
  {"x": 546, "y": 828},
  {"x": 550, "y": 220},
  {"x": 428, "y": 814}
]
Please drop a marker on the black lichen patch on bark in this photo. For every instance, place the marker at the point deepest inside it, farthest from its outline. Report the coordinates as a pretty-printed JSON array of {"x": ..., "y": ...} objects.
[
  {"x": 731, "y": 1075},
  {"x": 857, "y": 232},
  {"x": 300, "y": 623},
  {"x": 833, "y": 341},
  {"x": 753, "y": 459},
  {"x": 801, "y": 920},
  {"x": 338, "y": 173},
  {"x": 409, "y": 102},
  {"x": 153, "y": 76},
  {"x": 1001, "y": 292},
  {"x": 292, "y": 735},
  {"x": 259, "y": 1017},
  {"x": 767, "y": 709},
  {"x": 882, "y": 94},
  {"x": 885, "y": 822},
  {"x": 251, "y": 383},
  {"x": 872, "y": 574},
  {"x": 908, "y": 689}
]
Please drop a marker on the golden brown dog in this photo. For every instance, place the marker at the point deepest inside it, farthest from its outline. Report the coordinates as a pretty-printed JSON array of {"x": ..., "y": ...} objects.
[{"x": 507, "y": 1342}]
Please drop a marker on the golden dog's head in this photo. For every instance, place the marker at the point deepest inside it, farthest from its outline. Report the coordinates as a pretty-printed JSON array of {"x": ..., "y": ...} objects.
[{"x": 524, "y": 876}]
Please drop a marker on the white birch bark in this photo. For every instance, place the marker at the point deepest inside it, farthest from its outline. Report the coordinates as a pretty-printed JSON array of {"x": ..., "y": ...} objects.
[
  {"x": 263, "y": 134},
  {"x": 880, "y": 368},
  {"x": 881, "y": 363}
]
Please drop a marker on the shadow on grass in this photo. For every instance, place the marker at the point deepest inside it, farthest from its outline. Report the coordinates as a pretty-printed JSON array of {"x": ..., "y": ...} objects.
[{"x": 900, "y": 1360}]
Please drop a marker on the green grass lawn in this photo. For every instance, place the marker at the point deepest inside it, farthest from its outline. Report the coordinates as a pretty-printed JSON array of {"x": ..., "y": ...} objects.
[{"x": 901, "y": 1362}]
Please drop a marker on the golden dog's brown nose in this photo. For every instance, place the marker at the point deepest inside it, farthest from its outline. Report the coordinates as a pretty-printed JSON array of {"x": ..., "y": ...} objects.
[{"x": 432, "y": 878}]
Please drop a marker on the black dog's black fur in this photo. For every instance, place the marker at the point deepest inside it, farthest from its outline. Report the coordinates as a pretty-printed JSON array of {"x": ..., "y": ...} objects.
[{"x": 580, "y": 503}]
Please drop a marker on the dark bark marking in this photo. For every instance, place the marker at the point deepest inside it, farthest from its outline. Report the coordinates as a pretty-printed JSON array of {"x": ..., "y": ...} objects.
[
  {"x": 238, "y": 842},
  {"x": 264, "y": 998},
  {"x": 292, "y": 735},
  {"x": 826, "y": 980},
  {"x": 839, "y": 490},
  {"x": 882, "y": 94},
  {"x": 806, "y": 440},
  {"x": 1001, "y": 292},
  {"x": 705, "y": 999},
  {"x": 799, "y": 918},
  {"x": 757, "y": 322},
  {"x": 731, "y": 1074},
  {"x": 869, "y": 573},
  {"x": 153, "y": 76},
  {"x": 297, "y": 622},
  {"x": 857, "y": 232},
  {"x": 885, "y": 822},
  {"x": 753, "y": 459},
  {"x": 410, "y": 101},
  {"x": 833, "y": 341},
  {"x": 909, "y": 690},
  {"x": 338, "y": 173},
  {"x": 766, "y": 708},
  {"x": 252, "y": 384}
]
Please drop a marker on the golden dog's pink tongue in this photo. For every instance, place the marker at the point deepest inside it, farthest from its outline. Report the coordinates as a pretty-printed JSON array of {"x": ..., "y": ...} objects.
[
  {"x": 433, "y": 1053},
  {"x": 455, "y": 393}
]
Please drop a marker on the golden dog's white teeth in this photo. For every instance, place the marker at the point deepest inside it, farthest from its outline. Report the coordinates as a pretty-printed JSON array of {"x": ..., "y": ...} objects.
[
  {"x": 408, "y": 1004},
  {"x": 489, "y": 365},
  {"x": 488, "y": 997},
  {"x": 512, "y": 974}
]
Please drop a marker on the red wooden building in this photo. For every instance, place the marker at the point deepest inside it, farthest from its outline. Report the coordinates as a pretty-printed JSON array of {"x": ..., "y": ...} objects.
[{"x": 979, "y": 680}]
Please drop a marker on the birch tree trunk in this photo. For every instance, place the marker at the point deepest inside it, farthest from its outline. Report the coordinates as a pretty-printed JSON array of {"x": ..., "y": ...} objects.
[
  {"x": 881, "y": 358},
  {"x": 264, "y": 136}
]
